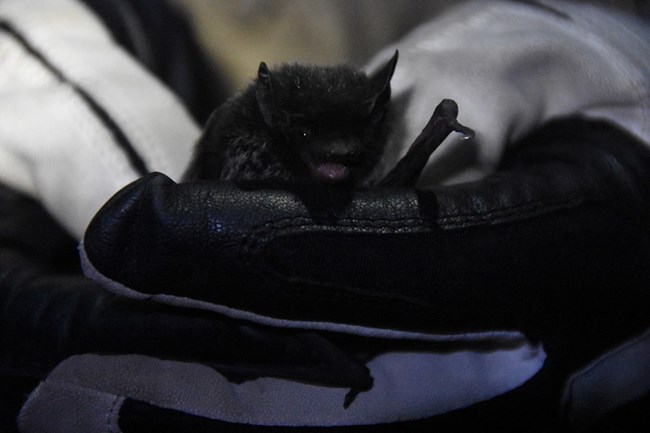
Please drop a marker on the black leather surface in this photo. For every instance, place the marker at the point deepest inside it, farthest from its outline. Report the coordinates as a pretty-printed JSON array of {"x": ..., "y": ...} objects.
[
  {"x": 555, "y": 243},
  {"x": 49, "y": 312}
]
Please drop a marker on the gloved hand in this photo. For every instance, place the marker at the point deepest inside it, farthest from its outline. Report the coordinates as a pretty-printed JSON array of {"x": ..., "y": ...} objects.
[
  {"x": 440, "y": 295},
  {"x": 51, "y": 312},
  {"x": 389, "y": 278},
  {"x": 320, "y": 257}
]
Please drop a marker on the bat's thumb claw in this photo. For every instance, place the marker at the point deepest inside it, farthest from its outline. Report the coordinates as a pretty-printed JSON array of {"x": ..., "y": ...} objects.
[{"x": 467, "y": 132}]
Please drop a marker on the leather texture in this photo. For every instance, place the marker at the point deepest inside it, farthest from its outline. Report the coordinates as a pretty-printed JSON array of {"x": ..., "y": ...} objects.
[
  {"x": 580, "y": 184},
  {"x": 49, "y": 312},
  {"x": 539, "y": 246}
]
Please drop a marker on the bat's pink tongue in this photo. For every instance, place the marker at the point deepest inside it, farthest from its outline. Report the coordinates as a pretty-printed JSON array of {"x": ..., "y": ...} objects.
[{"x": 333, "y": 171}]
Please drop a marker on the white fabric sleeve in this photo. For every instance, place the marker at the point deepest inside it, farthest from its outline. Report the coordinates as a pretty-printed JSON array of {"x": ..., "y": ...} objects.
[
  {"x": 79, "y": 118},
  {"x": 89, "y": 390},
  {"x": 513, "y": 66}
]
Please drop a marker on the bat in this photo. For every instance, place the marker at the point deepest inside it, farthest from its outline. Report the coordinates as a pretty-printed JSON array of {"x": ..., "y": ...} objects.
[
  {"x": 324, "y": 124},
  {"x": 314, "y": 124}
]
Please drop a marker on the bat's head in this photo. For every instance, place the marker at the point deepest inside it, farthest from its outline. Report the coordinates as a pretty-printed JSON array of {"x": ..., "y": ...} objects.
[{"x": 328, "y": 121}]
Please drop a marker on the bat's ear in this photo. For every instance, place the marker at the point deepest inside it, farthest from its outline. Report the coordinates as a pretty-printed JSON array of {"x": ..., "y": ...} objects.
[
  {"x": 381, "y": 81},
  {"x": 381, "y": 78},
  {"x": 264, "y": 75},
  {"x": 265, "y": 93}
]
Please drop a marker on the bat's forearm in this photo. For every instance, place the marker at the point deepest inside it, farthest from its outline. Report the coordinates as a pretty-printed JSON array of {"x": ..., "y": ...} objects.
[{"x": 440, "y": 125}]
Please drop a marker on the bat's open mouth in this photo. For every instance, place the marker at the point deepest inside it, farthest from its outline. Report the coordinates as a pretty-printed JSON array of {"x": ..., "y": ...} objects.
[
  {"x": 335, "y": 165},
  {"x": 332, "y": 171}
]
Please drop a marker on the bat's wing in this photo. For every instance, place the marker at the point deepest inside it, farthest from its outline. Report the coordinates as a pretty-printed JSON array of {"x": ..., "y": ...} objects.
[{"x": 443, "y": 121}]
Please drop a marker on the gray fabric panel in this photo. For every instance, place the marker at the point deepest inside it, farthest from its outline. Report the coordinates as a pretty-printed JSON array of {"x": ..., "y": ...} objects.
[
  {"x": 620, "y": 376},
  {"x": 407, "y": 386},
  {"x": 62, "y": 407}
]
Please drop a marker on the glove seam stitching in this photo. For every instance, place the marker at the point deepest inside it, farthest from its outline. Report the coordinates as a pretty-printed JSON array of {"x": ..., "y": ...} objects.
[{"x": 508, "y": 213}]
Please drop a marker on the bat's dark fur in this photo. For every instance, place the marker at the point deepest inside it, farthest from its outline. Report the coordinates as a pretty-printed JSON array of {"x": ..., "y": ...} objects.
[{"x": 299, "y": 123}]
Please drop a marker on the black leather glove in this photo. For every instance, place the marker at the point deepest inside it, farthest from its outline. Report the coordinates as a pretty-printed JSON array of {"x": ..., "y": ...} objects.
[
  {"x": 553, "y": 245},
  {"x": 514, "y": 300},
  {"x": 51, "y": 312},
  {"x": 550, "y": 232}
]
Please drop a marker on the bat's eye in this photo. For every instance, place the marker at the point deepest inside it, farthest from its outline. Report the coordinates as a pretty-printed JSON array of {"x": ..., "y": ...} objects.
[{"x": 304, "y": 132}]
